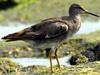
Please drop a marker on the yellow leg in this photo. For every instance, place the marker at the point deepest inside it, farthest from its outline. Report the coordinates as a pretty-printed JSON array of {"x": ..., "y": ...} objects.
[
  {"x": 56, "y": 55},
  {"x": 50, "y": 56}
]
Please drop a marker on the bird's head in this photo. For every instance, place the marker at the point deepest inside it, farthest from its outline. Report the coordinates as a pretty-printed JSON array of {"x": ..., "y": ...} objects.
[{"x": 76, "y": 9}]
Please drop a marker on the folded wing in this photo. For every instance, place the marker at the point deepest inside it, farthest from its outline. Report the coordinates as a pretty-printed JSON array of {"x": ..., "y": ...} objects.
[{"x": 47, "y": 29}]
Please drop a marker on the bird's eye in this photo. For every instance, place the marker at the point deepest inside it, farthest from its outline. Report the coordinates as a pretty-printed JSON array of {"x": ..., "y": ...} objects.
[{"x": 78, "y": 7}]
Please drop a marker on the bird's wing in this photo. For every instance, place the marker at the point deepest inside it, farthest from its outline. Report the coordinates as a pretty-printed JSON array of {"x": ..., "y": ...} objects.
[
  {"x": 50, "y": 28},
  {"x": 51, "y": 19},
  {"x": 46, "y": 29}
]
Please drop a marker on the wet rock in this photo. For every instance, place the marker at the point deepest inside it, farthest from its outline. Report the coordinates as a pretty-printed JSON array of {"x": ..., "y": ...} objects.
[
  {"x": 78, "y": 59},
  {"x": 73, "y": 60},
  {"x": 83, "y": 57},
  {"x": 89, "y": 54}
]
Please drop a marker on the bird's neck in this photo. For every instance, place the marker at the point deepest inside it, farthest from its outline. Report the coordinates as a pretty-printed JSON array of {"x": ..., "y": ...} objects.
[
  {"x": 75, "y": 16},
  {"x": 76, "y": 21}
]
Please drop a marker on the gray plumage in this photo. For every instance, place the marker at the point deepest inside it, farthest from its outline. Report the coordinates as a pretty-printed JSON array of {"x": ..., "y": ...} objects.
[{"x": 50, "y": 33}]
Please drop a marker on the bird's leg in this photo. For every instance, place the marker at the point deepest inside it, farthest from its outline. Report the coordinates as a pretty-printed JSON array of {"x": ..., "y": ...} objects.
[
  {"x": 50, "y": 56},
  {"x": 56, "y": 55},
  {"x": 47, "y": 51}
]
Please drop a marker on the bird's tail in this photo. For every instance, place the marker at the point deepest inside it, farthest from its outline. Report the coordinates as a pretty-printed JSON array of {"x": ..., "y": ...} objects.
[
  {"x": 11, "y": 37},
  {"x": 24, "y": 34}
]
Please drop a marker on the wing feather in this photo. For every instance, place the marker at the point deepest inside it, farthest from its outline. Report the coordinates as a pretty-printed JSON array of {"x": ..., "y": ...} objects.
[{"x": 47, "y": 29}]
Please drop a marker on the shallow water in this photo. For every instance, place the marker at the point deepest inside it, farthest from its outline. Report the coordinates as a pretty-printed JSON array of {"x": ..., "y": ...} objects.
[
  {"x": 86, "y": 27},
  {"x": 41, "y": 61}
]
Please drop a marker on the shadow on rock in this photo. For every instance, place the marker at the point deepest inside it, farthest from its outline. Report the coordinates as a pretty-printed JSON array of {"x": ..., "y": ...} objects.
[{"x": 96, "y": 51}]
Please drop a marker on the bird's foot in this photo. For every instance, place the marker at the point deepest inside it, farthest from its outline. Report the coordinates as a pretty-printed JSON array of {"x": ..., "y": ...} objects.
[
  {"x": 57, "y": 69},
  {"x": 59, "y": 66}
]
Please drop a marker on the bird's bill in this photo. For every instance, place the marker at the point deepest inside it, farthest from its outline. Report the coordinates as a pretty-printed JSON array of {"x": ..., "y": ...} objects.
[{"x": 91, "y": 14}]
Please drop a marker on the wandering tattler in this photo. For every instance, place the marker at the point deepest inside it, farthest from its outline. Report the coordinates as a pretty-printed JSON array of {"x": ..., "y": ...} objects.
[{"x": 51, "y": 32}]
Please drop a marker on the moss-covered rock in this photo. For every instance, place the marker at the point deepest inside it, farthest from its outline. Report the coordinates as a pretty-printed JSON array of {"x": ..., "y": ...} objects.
[
  {"x": 7, "y": 66},
  {"x": 78, "y": 59}
]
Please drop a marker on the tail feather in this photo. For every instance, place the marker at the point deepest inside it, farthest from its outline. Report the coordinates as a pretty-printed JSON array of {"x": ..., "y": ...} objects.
[
  {"x": 18, "y": 35},
  {"x": 24, "y": 34},
  {"x": 11, "y": 37}
]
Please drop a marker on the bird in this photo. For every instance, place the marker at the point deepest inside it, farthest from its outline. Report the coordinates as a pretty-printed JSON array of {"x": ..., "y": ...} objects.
[{"x": 51, "y": 32}]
